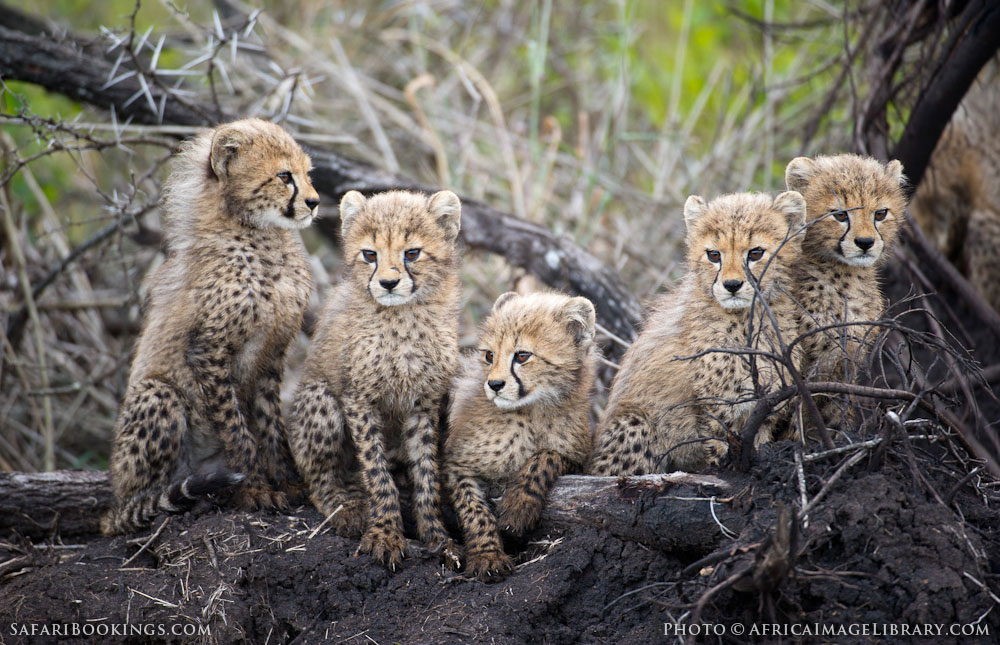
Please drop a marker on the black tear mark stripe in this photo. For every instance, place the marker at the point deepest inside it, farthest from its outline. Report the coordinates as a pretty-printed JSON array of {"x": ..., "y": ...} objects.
[
  {"x": 413, "y": 281},
  {"x": 372, "y": 276},
  {"x": 290, "y": 210},
  {"x": 520, "y": 385},
  {"x": 840, "y": 244}
]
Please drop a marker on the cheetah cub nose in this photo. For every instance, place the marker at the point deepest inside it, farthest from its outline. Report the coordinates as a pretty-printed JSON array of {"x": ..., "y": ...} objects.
[
  {"x": 312, "y": 203},
  {"x": 732, "y": 286},
  {"x": 496, "y": 386},
  {"x": 865, "y": 243},
  {"x": 389, "y": 285}
]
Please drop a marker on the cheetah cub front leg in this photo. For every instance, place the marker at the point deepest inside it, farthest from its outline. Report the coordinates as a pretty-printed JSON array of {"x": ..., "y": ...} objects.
[
  {"x": 420, "y": 436},
  {"x": 521, "y": 506},
  {"x": 484, "y": 555},
  {"x": 383, "y": 539}
]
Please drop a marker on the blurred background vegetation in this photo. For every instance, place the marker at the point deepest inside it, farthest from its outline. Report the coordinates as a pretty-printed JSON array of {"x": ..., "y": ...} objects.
[{"x": 594, "y": 118}]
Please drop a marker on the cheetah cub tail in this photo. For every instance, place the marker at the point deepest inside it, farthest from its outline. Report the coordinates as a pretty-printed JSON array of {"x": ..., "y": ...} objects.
[{"x": 139, "y": 510}]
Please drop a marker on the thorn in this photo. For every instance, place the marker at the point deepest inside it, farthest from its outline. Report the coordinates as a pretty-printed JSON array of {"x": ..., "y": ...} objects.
[
  {"x": 149, "y": 95},
  {"x": 115, "y": 81},
  {"x": 218, "y": 25},
  {"x": 156, "y": 53},
  {"x": 142, "y": 41},
  {"x": 114, "y": 68},
  {"x": 132, "y": 99},
  {"x": 197, "y": 61},
  {"x": 251, "y": 22}
]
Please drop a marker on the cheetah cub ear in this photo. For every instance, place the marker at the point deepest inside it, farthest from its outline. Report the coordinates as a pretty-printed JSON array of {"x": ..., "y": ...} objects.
[
  {"x": 225, "y": 147},
  {"x": 351, "y": 204},
  {"x": 793, "y": 205},
  {"x": 694, "y": 208},
  {"x": 581, "y": 318},
  {"x": 799, "y": 172},
  {"x": 503, "y": 298},
  {"x": 447, "y": 210},
  {"x": 895, "y": 171}
]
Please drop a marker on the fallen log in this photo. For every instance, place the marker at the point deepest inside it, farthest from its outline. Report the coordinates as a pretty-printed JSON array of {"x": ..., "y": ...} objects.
[
  {"x": 65, "y": 67},
  {"x": 677, "y": 512},
  {"x": 674, "y": 512},
  {"x": 63, "y": 502}
]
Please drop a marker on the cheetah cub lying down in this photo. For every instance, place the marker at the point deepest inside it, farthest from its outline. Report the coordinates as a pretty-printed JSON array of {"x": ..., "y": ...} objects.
[
  {"x": 202, "y": 407},
  {"x": 855, "y": 208},
  {"x": 381, "y": 361},
  {"x": 519, "y": 418},
  {"x": 676, "y": 397}
]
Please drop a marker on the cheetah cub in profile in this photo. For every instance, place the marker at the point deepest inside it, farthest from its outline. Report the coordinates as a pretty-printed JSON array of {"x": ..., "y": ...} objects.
[
  {"x": 676, "y": 396},
  {"x": 202, "y": 407},
  {"x": 381, "y": 362},
  {"x": 519, "y": 418},
  {"x": 855, "y": 207}
]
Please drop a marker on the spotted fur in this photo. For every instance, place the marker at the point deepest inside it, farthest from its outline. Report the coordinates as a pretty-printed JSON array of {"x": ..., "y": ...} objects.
[
  {"x": 676, "y": 398},
  {"x": 202, "y": 411},
  {"x": 383, "y": 356},
  {"x": 855, "y": 208},
  {"x": 519, "y": 418}
]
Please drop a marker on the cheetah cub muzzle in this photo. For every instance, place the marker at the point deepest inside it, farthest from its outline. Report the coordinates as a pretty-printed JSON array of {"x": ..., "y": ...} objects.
[
  {"x": 519, "y": 418},
  {"x": 202, "y": 409},
  {"x": 381, "y": 361}
]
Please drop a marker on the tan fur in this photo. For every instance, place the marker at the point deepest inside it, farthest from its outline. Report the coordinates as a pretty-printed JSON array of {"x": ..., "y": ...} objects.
[
  {"x": 519, "y": 424},
  {"x": 203, "y": 393},
  {"x": 834, "y": 283},
  {"x": 381, "y": 362},
  {"x": 957, "y": 204},
  {"x": 674, "y": 400}
]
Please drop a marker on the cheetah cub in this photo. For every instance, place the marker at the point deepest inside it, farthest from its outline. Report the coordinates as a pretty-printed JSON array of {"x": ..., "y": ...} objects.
[
  {"x": 676, "y": 395},
  {"x": 855, "y": 207},
  {"x": 519, "y": 417},
  {"x": 202, "y": 407},
  {"x": 382, "y": 359}
]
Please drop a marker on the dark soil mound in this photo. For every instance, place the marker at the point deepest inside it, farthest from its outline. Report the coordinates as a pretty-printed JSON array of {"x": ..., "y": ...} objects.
[{"x": 879, "y": 549}]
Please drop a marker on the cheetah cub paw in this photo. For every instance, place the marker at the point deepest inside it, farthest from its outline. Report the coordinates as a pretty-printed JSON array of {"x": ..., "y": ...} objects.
[
  {"x": 518, "y": 512},
  {"x": 258, "y": 496},
  {"x": 491, "y": 565},
  {"x": 385, "y": 544},
  {"x": 350, "y": 517}
]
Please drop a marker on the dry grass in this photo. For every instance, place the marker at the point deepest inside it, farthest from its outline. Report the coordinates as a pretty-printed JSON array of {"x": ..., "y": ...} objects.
[{"x": 527, "y": 106}]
